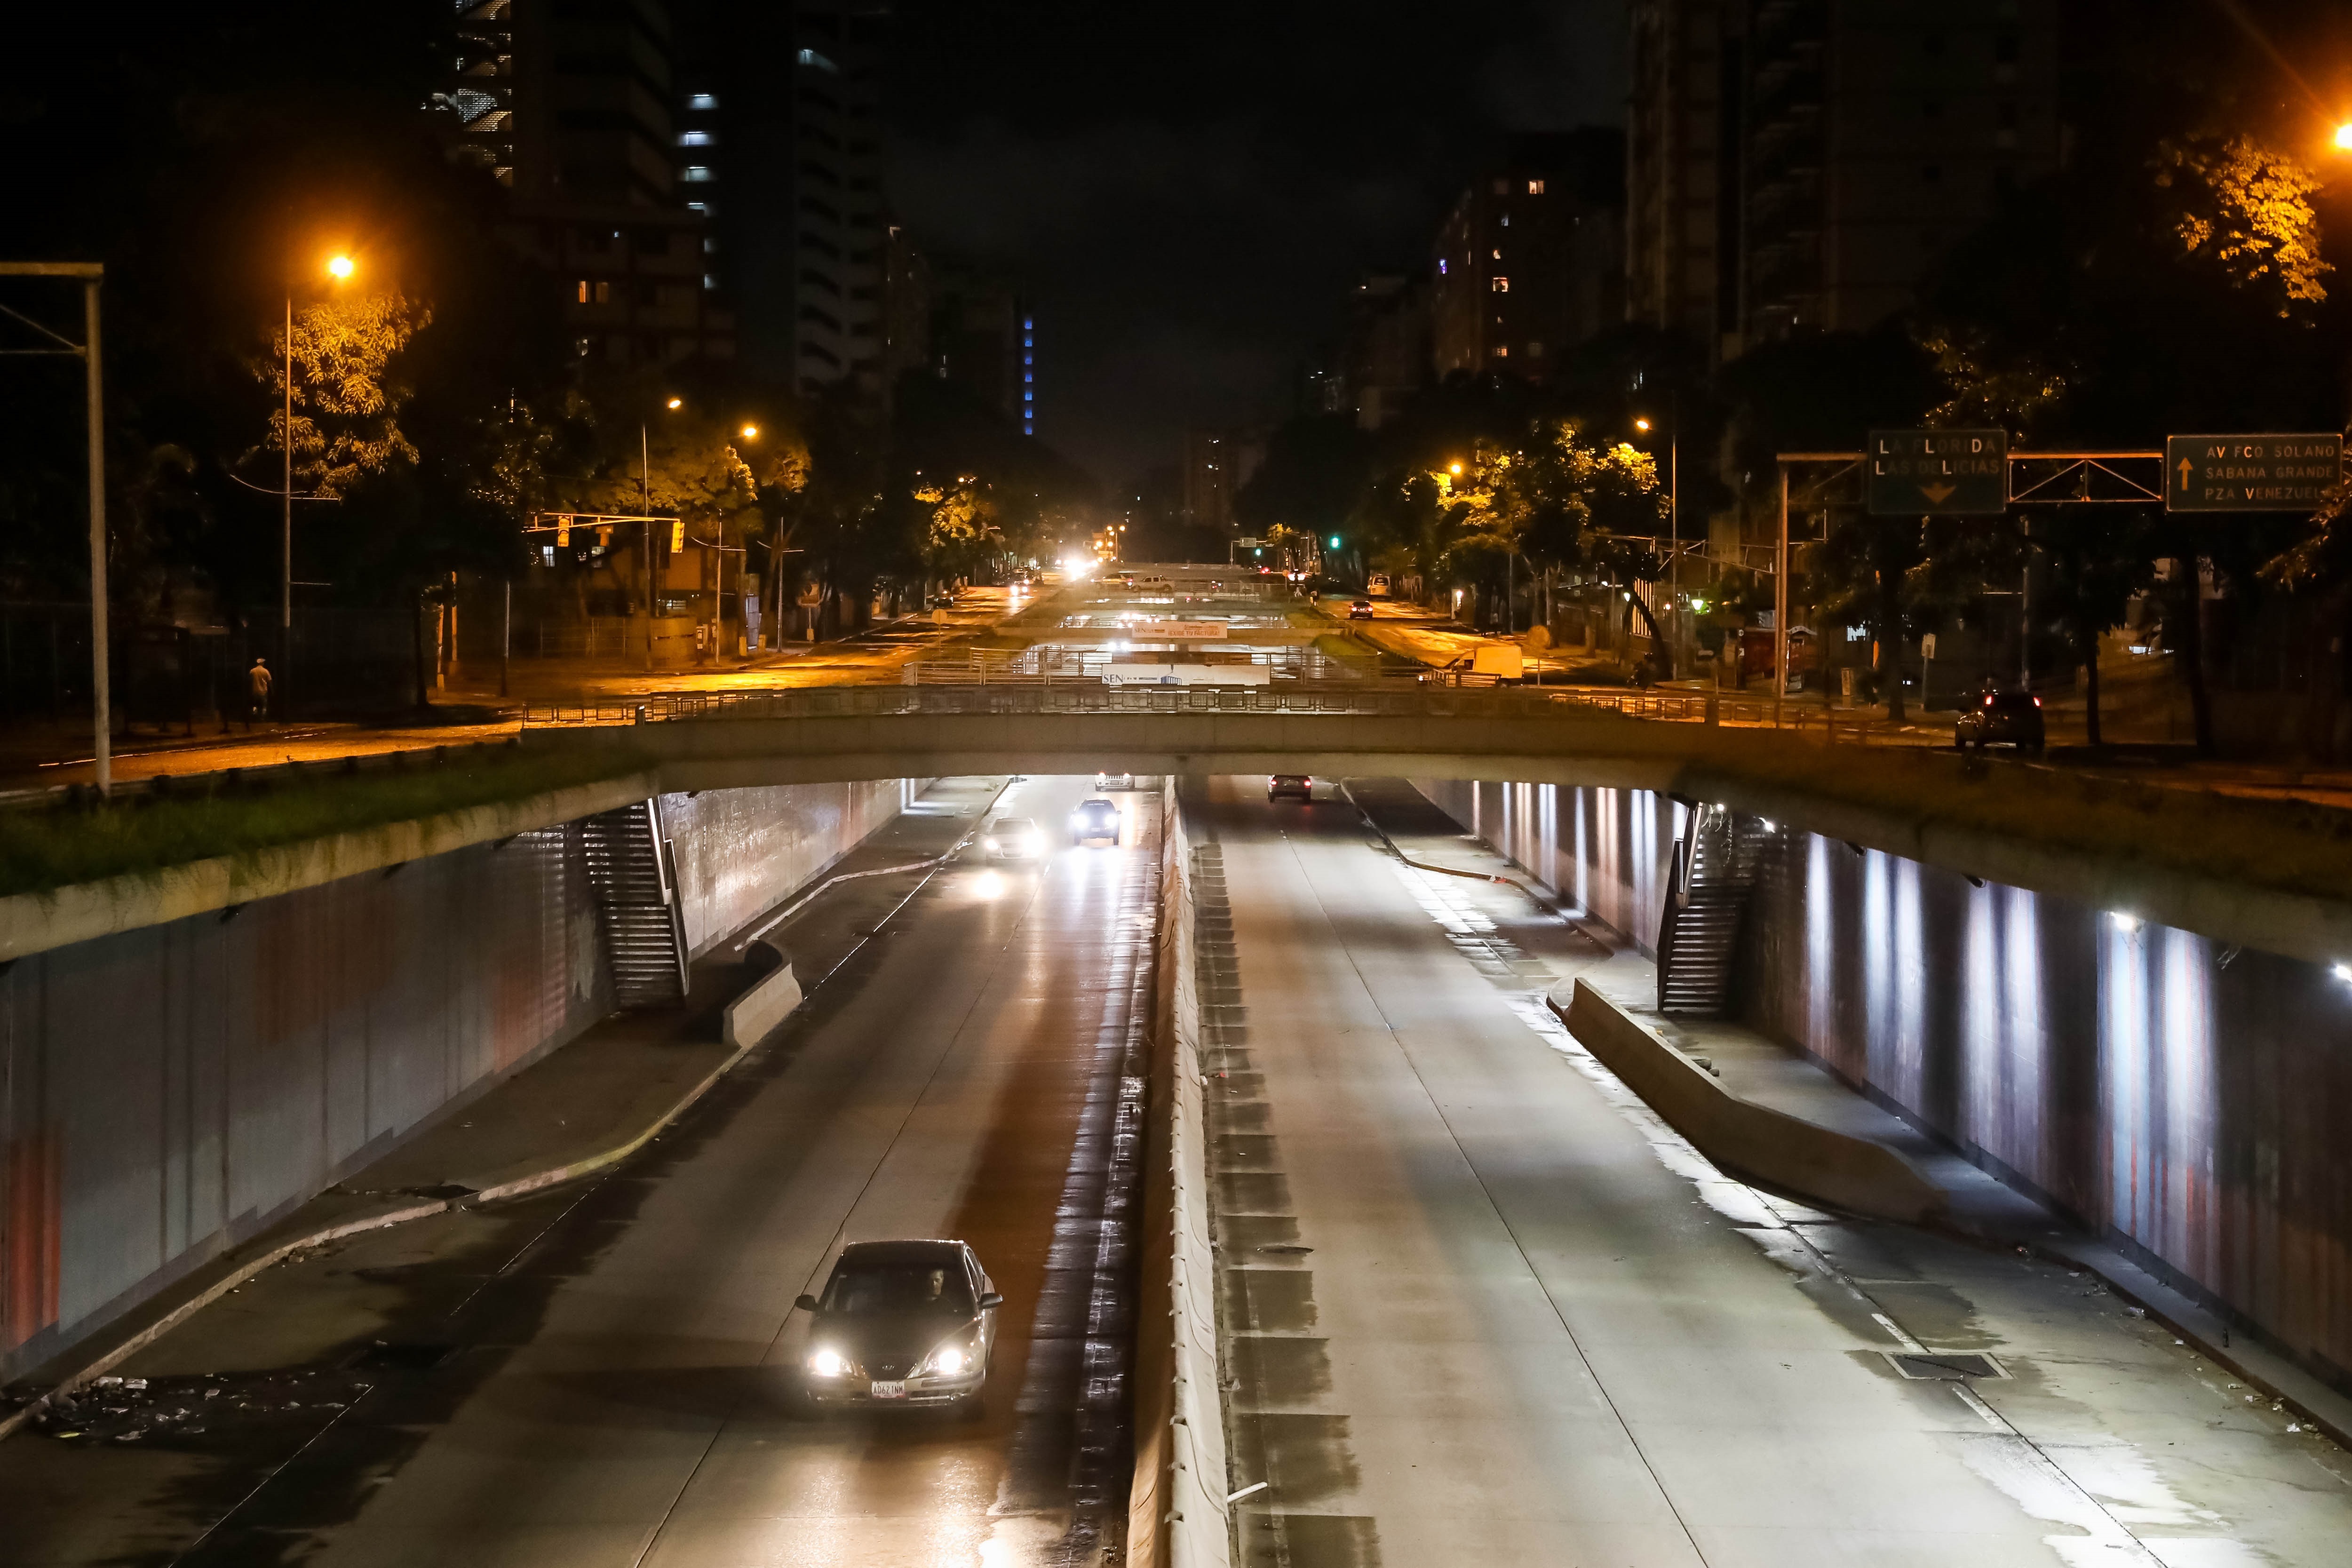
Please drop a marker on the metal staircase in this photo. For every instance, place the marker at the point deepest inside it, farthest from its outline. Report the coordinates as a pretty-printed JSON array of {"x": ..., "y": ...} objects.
[
  {"x": 630, "y": 871},
  {"x": 1713, "y": 875}
]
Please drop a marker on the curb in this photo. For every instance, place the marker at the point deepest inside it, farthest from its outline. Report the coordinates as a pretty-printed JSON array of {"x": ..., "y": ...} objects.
[
  {"x": 1541, "y": 901},
  {"x": 1781, "y": 1151}
]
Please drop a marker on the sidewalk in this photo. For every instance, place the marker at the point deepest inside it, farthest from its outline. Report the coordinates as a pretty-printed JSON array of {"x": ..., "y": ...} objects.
[
  {"x": 579, "y": 1109},
  {"x": 46, "y": 755}
]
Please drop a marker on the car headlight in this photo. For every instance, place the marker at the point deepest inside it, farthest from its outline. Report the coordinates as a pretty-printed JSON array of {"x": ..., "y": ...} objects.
[
  {"x": 948, "y": 1360},
  {"x": 828, "y": 1363},
  {"x": 989, "y": 844}
]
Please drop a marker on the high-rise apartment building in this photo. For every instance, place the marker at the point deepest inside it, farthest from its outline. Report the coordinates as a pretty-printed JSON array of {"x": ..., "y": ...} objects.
[
  {"x": 1802, "y": 164},
  {"x": 841, "y": 225},
  {"x": 1682, "y": 189},
  {"x": 1386, "y": 356},
  {"x": 569, "y": 104},
  {"x": 1530, "y": 261}
]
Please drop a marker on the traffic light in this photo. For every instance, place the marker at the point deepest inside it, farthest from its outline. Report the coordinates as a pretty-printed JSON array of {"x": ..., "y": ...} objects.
[
  {"x": 1335, "y": 541},
  {"x": 677, "y": 536},
  {"x": 603, "y": 538}
]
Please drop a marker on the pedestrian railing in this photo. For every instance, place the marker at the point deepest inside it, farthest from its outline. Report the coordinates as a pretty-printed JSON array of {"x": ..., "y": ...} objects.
[{"x": 1005, "y": 692}]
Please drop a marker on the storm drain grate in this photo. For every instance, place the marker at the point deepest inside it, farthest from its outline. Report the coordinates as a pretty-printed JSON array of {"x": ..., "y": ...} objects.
[{"x": 1948, "y": 1366}]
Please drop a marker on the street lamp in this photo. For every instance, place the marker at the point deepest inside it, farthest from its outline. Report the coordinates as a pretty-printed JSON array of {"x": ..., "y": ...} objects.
[
  {"x": 1674, "y": 521},
  {"x": 750, "y": 432},
  {"x": 2343, "y": 137},
  {"x": 340, "y": 267}
]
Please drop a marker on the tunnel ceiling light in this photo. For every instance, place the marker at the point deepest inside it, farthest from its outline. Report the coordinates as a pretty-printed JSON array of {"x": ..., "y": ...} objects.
[
  {"x": 2124, "y": 921},
  {"x": 2344, "y": 972}
]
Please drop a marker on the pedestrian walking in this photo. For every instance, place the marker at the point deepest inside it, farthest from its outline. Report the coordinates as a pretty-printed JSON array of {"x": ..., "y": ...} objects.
[{"x": 257, "y": 692}]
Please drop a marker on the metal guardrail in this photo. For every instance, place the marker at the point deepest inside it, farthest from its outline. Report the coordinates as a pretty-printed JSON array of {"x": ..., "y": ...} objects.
[{"x": 1052, "y": 693}]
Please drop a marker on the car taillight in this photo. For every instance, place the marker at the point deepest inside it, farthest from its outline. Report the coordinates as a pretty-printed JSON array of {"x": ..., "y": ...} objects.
[
  {"x": 1988, "y": 702},
  {"x": 2037, "y": 702}
]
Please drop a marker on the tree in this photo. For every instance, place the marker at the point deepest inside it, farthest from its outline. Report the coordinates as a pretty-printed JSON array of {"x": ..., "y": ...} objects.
[
  {"x": 345, "y": 406},
  {"x": 2099, "y": 558}
]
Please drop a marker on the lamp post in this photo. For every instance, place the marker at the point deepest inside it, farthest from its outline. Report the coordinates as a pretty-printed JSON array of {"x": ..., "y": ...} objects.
[
  {"x": 340, "y": 267},
  {"x": 89, "y": 274},
  {"x": 1673, "y": 523}
]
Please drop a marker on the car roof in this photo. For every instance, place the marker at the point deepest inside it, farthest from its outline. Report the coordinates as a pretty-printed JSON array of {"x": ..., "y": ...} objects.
[{"x": 901, "y": 1251}]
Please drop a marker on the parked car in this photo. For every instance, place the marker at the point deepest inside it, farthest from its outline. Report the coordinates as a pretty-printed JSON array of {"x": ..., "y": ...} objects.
[
  {"x": 1362, "y": 610},
  {"x": 902, "y": 1322},
  {"x": 1295, "y": 786},
  {"x": 2001, "y": 718},
  {"x": 1095, "y": 821},
  {"x": 1378, "y": 584},
  {"x": 1013, "y": 838}
]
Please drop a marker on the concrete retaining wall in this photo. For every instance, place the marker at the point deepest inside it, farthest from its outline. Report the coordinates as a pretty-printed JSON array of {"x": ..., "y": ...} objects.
[
  {"x": 2182, "y": 1097},
  {"x": 168, "y": 1091}
]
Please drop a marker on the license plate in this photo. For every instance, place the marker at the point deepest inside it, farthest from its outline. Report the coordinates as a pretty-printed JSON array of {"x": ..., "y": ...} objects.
[{"x": 890, "y": 1390}]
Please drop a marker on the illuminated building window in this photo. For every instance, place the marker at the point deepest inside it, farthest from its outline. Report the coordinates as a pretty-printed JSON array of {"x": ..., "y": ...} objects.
[
  {"x": 1502, "y": 351},
  {"x": 701, "y": 100},
  {"x": 1502, "y": 284},
  {"x": 694, "y": 139},
  {"x": 1498, "y": 253},
  {"x": 1441, "y": 267},
  {"x": 583, "y": 291},
  {"x": 696, "y": 174},
  {"x": 1535, "y": 187}
]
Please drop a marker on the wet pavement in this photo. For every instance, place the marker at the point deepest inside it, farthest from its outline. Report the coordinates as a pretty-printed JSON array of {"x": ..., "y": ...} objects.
[
  {"x": 1483, "y": 1306},
  {"x": 606, "y": 1373}
]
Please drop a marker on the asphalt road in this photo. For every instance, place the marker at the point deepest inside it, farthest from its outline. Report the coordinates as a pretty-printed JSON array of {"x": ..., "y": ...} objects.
[
  {"x": 1483, "y": 1308},
  {"x": 606, "y": 1375}
]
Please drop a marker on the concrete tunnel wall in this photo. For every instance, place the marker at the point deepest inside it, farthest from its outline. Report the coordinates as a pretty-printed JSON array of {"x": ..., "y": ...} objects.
[
  {"x": 2184, "y": 1098},
  {"x": 167, "y": 1092}
]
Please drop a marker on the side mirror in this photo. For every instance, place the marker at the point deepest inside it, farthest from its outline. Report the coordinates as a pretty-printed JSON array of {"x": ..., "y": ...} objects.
[
  {"x": 805, "y": 1303},
  {"x": 990, "y": 1299}
]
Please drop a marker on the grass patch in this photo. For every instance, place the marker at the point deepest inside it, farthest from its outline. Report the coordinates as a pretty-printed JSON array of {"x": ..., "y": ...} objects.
[
  {"x": 2298, "y": 846},
  {"x": 43, "y": 848}
]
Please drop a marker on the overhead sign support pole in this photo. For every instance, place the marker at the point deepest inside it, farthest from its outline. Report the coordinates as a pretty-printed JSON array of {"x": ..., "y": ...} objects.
[{"x": 90, "y": 275}]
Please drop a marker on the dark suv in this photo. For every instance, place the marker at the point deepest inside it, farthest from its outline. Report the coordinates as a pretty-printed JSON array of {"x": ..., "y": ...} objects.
[{"x": 2001, "y": 718}]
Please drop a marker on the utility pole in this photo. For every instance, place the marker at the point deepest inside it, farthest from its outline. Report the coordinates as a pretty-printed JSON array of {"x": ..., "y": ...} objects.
[{"x": 90, "y": 275}]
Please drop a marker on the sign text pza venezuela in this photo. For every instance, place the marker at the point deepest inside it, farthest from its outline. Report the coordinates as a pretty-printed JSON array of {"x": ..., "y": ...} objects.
[
  {"x": 2250, "y": 473},
  {"x": 1938, "y": 473}
]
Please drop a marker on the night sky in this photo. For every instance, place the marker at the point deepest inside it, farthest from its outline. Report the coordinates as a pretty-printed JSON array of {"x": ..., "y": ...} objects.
[{"x": 1187, "y": 191}]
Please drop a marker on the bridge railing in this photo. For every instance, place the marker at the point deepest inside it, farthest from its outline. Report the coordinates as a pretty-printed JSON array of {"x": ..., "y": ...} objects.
[{"x": 1051, "y": 693}]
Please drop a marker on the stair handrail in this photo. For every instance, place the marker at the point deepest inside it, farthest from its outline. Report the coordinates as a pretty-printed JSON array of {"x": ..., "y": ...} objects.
[{"x": 665, "y": 869}]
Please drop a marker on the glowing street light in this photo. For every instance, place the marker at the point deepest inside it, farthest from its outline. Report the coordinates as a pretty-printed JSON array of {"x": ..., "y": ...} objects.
[
  {"x": 1643, "y": 425},
  {"x": 675, "y": 403},
  {"x": 2343, "y": 137},
  {"x": 750, "y": 432},
  {"x": 1454, "y": 468},
  {"x": 340, "y": 267}
]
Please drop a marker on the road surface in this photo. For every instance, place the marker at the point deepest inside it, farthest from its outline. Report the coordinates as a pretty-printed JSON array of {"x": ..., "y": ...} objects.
[
  {"x": 605, "y": 1375},
  {"x": 1483, "y": 1308}
]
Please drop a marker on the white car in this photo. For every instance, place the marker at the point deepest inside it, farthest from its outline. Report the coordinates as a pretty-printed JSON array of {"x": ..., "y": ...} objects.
[
  {"x": 1013, "y": 838},
  {"x": 1104, "y": 781}
]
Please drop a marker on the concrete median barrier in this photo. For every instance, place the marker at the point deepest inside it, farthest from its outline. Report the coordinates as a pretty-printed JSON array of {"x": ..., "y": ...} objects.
[
  {"x": 1749, "y": 1139},
  {"x": 1176, "y": 1507},
  {"x": 753, "y": 1015}
]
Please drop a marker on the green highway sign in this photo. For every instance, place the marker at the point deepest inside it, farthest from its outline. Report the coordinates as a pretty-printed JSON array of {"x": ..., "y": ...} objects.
[
  {"x": 1938, "y": 473},
  {"x": 2250, "y": 473}
]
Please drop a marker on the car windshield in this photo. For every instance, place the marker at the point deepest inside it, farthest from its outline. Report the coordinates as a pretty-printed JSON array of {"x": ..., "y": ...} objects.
[
  {"x": 1099, "y": 809},
  {"x": 1015, "y": 826},
  {"x": 900, "y": 1285}
]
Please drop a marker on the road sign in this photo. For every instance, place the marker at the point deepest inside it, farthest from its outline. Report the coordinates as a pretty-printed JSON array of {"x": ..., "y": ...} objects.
[
  {"x": 2250, "y": 473},
  {"x": 1938, "y": 473}
]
